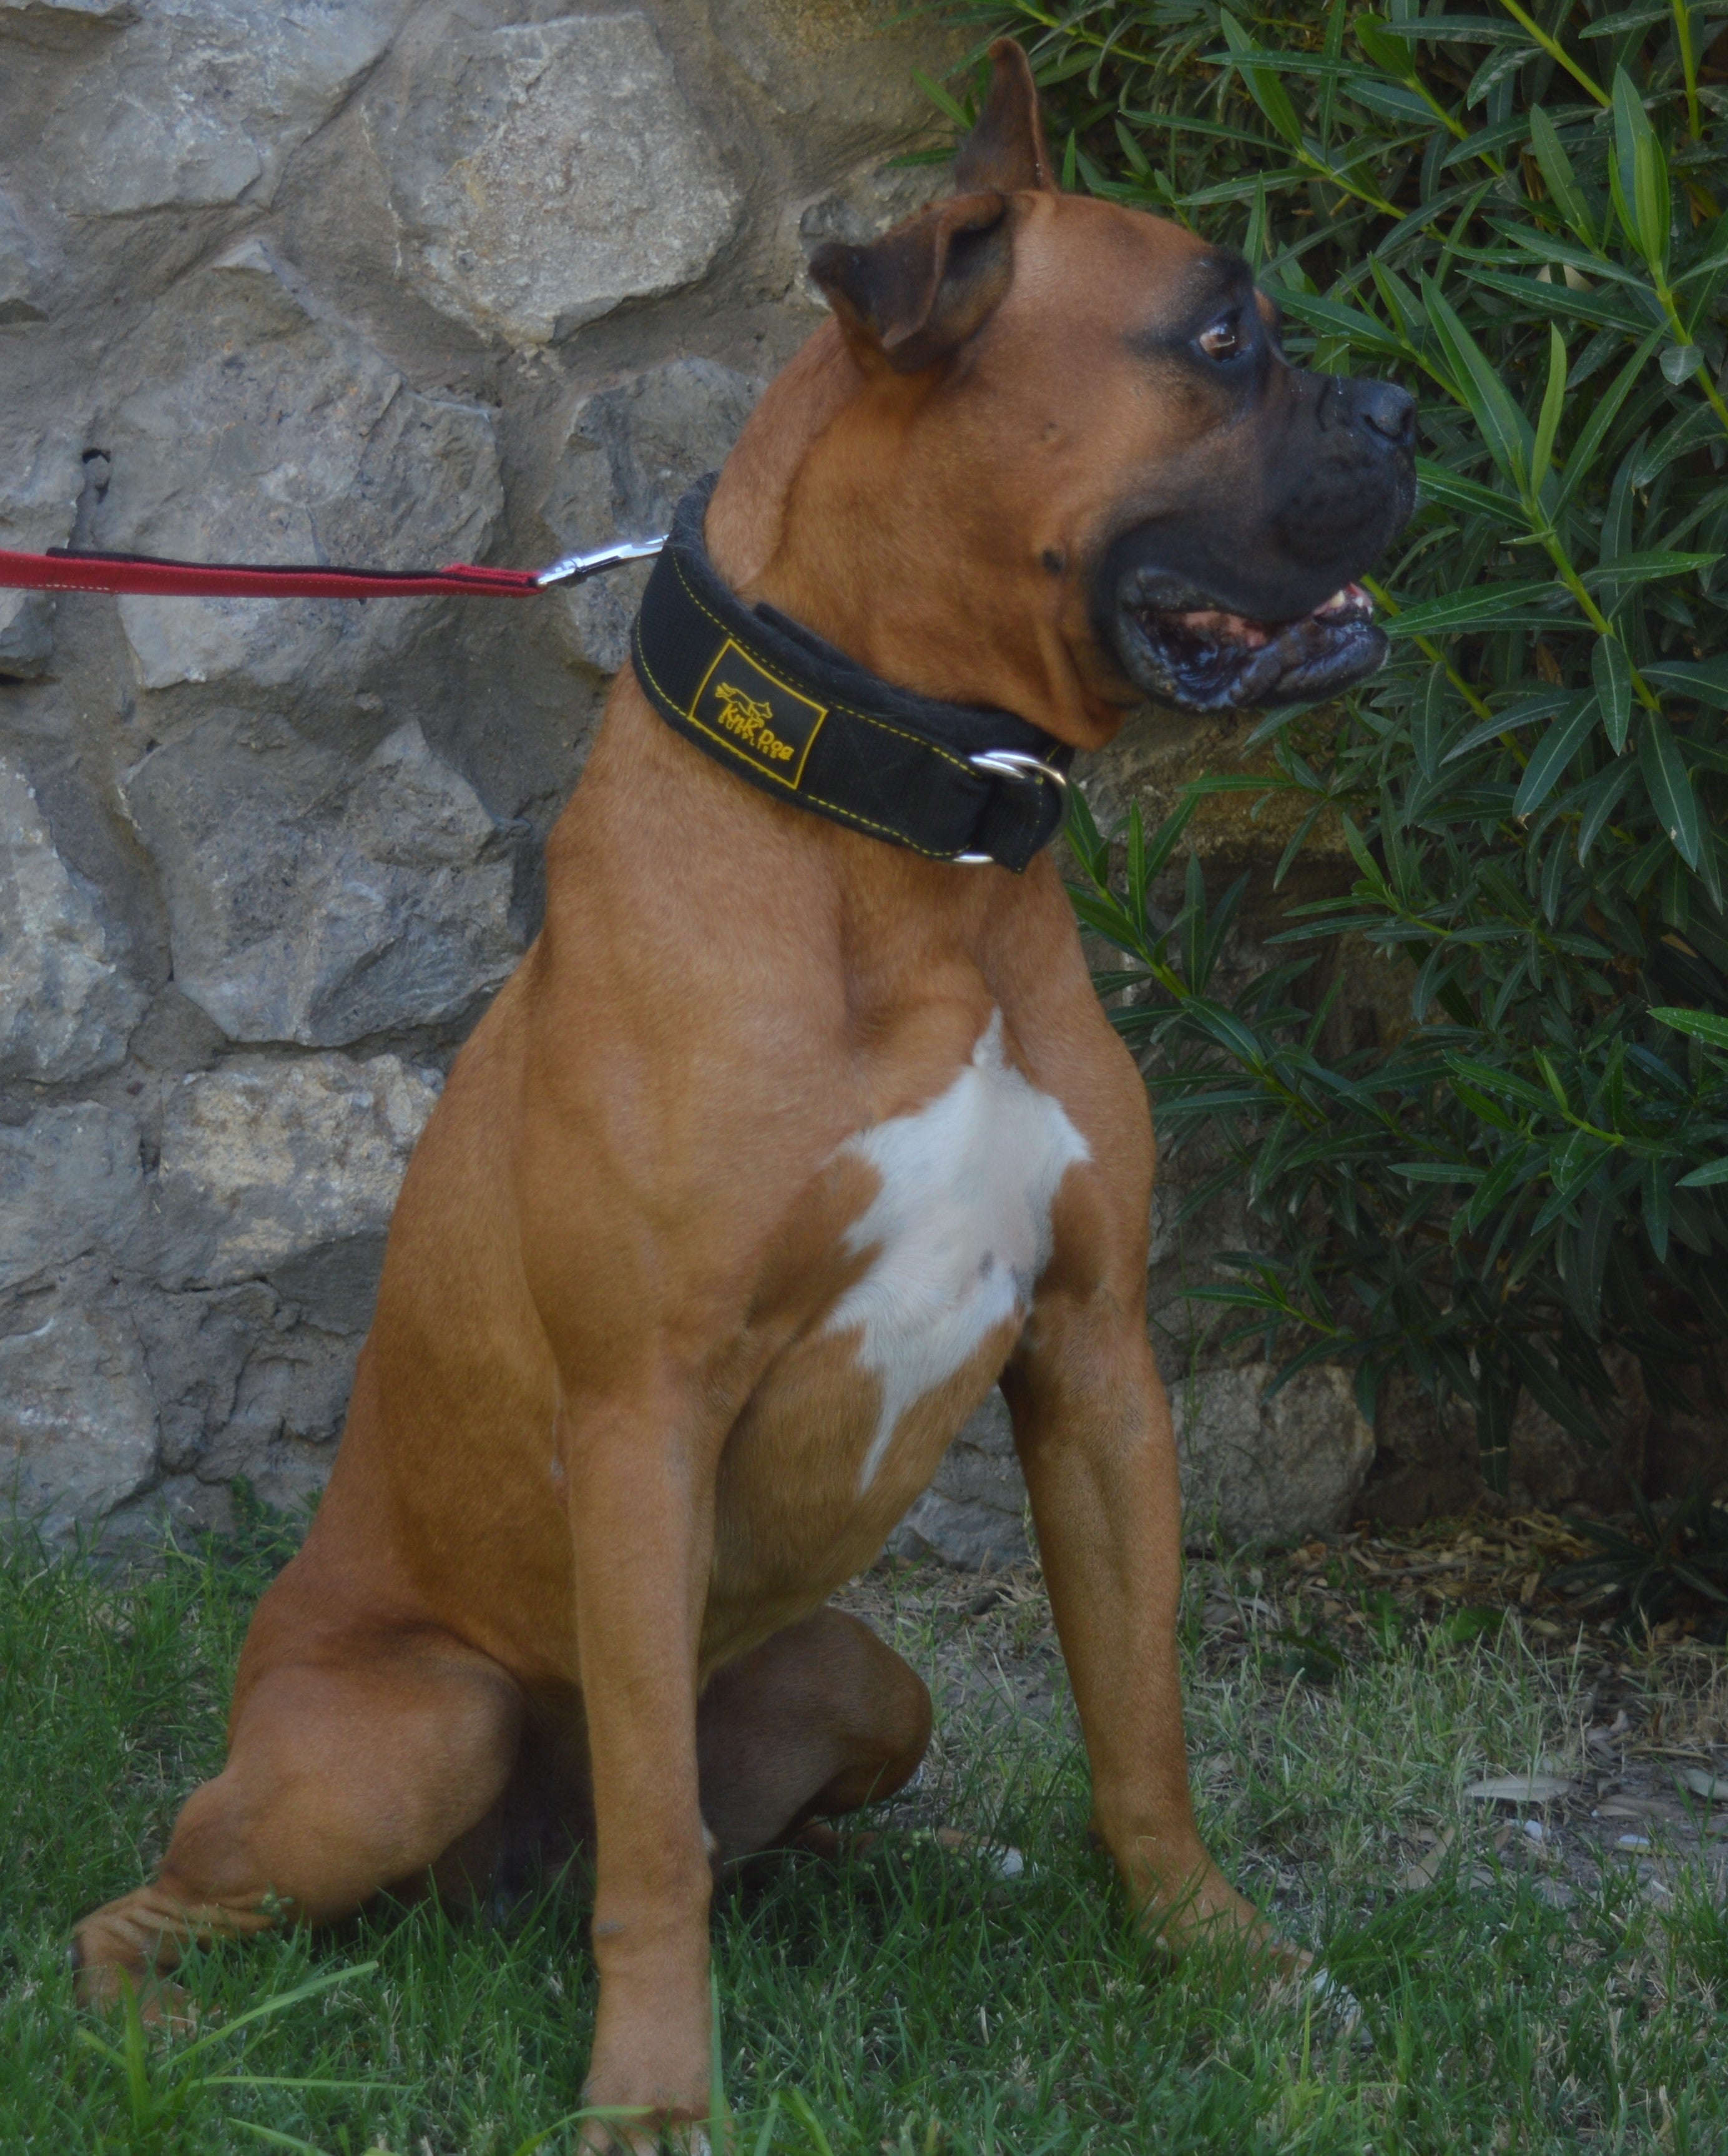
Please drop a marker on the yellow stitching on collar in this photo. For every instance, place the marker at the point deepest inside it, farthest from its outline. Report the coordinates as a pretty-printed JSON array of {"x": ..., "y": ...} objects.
[
  {"x": 884, "y": 725},
  {"x": 834, "y": 808}
]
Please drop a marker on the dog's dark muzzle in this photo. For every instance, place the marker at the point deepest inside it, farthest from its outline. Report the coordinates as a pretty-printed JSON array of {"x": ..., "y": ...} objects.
[{"x": 1245, "y": 593}]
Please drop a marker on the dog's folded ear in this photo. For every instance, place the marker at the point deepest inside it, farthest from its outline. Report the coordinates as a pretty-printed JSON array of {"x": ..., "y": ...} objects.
[
  {"x": 1006, "y": 149},
  {"x": 911, "y": 297}
]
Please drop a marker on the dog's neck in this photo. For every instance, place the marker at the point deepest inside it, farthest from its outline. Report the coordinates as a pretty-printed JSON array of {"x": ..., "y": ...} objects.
[{"x": 821, "y": 511}]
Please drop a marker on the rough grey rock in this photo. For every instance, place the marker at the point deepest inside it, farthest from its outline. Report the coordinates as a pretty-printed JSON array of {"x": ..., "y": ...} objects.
[
  {"x": 265, "y": 1163},
  {"x": 1252, "y": 1468},
  {"x": 77, "y": 1421},
  {"x": 1274, "y": 1469},
  {"x": 23, "y": 270},
  {"x": 973, "y": 1514},
  {"x": 237, "y": 1376},
  {"x": 263, "y": 433},
  {"x": 71, "y": 1181},
  {"x": 294, "y": 1386},
  {"x": 628, "y": 453},
  {"x": 314, "y": 902},
  {"x": 27, "y": 635},
  {"x": 863, "y": 206},
  {"x": 851, "y": 58},
  {"x": 66, "y": 1008},
  {"x": 543, "y": 174},
  {"x": 92, "y": 10},
  {"x": 202, "y": 101},
  {"x": 195, "y": 1348},
  {"x": 41, "y": 475}
]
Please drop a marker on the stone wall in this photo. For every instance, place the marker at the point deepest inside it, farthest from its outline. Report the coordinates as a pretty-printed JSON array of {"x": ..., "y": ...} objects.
[{"x": 395, "y": 281}]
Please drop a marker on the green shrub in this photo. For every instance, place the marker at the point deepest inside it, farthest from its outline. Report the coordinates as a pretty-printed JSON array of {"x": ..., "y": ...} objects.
[{"x": 1520, "y": 218}]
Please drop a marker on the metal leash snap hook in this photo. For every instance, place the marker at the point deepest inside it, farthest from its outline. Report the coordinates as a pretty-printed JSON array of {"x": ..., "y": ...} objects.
[
  {"x": 576, "y": 568},
  {"x": 1009, "y": 764}
]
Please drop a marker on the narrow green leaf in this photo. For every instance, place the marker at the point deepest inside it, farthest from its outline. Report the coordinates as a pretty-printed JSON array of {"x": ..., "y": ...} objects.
[
  {"x": 1707, "y": 1026},
  {"x": 1518, "y": 1167},
  {"x": 1504, "y": 426},
  {"x": 1605, "y": 795},
  {"x": 1670, "y": 787},
  {"x": 1452, "y": 490},
  {"x": 1545, "y": 1063},
  {"x": 1558, "y": 174},
  {"x": 1163, "y": 842},
  {"x": 1706, "y": 681},
  {"x": 1259, "y": 72},
  {"x": 1364, "y": 333},
  {"x": 1553, "y": 405},
  {"x": 1363, "y": 858},
  {"x": 1521, "y": 605},
  {"x": 1611, "y": 671},
  {"x": 1638, "y": 176},
  {"x": 1388, "y": 53},
  {"x": 1228, "y": 1030},
  {"x": 1648, "y": 563},
  {"x": 1689, "y": 429},
  {"x": 1555, "y": 751},
  {"x": 1583, "y": 1258},
  {"x": 1712, "y": 1171},
  {"x": 1603, "y": 413},
  {"x": 1628, "y": 311},
  {"x": 1494, "y": 1080},
  {"x": 948, "y": 106},
  {"x": 1426, "y": 733}
]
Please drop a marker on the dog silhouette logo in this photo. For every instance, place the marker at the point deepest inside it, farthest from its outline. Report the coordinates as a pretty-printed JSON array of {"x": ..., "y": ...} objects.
[
  {"x": 751, "y": 721},
  {"x": 763, "y": 720}
]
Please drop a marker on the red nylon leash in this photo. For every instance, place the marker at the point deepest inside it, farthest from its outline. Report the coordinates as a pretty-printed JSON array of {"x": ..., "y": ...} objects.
[{"x": 147, "y": 575}]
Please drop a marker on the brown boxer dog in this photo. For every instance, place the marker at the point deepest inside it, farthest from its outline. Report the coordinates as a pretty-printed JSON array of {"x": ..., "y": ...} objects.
[{"x": 784, "y": 1144}]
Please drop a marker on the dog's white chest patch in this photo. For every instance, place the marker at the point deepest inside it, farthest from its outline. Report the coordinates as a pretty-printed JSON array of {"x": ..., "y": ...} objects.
[{"x": 960, "y": 1228}]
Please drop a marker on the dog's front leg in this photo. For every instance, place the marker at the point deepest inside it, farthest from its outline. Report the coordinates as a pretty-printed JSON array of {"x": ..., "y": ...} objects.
[
  {"x": 641, "y": 1511},
  {"x": 1092, "y": 1428}
]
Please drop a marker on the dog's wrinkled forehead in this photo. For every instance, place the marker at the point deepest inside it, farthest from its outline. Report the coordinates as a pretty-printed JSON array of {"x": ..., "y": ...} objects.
[{"x": 1190, "y": 298}]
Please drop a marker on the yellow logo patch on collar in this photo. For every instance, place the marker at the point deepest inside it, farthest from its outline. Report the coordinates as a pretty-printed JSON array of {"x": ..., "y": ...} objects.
[{"x": 761, "y": 719}]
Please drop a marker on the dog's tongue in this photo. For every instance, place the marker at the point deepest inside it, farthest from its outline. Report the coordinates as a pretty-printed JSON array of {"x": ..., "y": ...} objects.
[
  {"x": 1350, "y": 602},
  {"x": 1221, "y": 628}
]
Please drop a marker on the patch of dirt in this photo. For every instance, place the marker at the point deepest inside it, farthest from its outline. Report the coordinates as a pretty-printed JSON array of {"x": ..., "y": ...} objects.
[
  {"x": 1655, "y": 1708},
  {"x": 984, "y": 1642}
]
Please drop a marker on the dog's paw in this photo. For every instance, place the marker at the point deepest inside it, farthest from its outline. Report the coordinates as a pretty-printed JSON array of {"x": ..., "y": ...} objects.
[{"x": 106, "y": 1989}]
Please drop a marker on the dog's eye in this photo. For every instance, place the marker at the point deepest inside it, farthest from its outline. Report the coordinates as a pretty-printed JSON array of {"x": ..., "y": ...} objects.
[{"x": 1222, "y": 340}]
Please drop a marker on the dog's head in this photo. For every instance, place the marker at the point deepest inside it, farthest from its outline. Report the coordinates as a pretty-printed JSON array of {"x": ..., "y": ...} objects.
[{"x": 1090, "y": 406}]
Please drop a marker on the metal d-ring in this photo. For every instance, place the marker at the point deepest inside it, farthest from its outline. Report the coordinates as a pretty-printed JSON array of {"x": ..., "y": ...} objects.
[
  {"x": 1009, "y": 764},
  {"x": 1017, "y": 763}
]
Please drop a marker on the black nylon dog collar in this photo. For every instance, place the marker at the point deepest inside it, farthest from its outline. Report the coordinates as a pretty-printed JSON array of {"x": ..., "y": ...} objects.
[{"x": 779, "y": 707}]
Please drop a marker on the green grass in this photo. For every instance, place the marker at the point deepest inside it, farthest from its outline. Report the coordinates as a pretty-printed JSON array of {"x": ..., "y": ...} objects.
[{"x": 905, "y": 1999}]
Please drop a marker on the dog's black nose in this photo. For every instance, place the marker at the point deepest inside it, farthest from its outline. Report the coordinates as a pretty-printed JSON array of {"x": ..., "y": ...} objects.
[{"x": 1389, "y": 411}]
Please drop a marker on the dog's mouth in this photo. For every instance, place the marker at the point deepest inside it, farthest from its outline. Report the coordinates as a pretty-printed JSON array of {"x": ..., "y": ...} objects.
[{"x": 1177, "y": 644}]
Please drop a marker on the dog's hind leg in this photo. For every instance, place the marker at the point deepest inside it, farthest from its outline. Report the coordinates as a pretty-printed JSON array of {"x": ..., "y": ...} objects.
[
  {"x": 357, "y": 1766},
  {"x": 819, "y": 1719}
]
